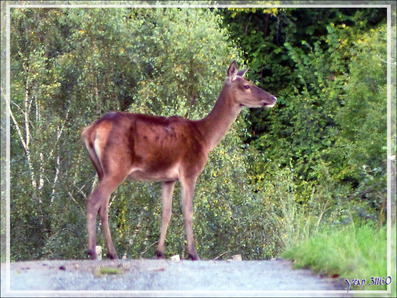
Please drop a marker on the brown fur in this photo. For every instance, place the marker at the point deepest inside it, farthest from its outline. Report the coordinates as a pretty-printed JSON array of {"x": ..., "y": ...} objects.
[{"x": 143, "y": 147}]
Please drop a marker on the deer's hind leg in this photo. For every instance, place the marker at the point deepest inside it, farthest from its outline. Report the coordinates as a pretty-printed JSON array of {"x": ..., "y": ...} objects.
[
  {"x": 99, "y": 200},
  {"x": 103, "y": 214}
]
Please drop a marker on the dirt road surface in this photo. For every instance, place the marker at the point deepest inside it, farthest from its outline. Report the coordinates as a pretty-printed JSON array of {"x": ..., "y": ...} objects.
[{"x": 164, "y": 278}]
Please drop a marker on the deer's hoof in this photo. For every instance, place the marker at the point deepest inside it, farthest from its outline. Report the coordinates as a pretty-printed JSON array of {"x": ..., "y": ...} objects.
[
  {"x": 194, "y": 257},
  {"x": 91, "y": 254},
  {"x": 159, "y": 255},
  {"x": 112, "y": 256}
]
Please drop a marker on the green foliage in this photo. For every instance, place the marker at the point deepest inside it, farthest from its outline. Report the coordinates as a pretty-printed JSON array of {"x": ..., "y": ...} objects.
[
  {"x": 330, "y": 120},
  {"x": 184, "y": 59},
  {"x": 362, "y": 119}
]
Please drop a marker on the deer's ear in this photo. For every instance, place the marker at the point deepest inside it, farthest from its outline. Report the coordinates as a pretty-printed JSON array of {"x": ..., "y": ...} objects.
[
  {"x": 232, "y": 71},
  {"x": 241, "y": 73}
]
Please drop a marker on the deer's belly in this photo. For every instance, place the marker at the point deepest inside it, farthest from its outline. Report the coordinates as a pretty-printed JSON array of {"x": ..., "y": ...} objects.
[{"x": 153, "y": 174}]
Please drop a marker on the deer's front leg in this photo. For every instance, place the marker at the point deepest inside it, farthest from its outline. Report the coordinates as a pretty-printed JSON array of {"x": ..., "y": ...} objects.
[
  {"x": 187, "y": 208},
  {"x": 168, "y": 188}
]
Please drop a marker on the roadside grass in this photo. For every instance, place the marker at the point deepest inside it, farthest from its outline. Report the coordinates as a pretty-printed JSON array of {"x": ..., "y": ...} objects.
[
  {"x": 102, "y": 271},
  {"x": 351, "y": 252}
]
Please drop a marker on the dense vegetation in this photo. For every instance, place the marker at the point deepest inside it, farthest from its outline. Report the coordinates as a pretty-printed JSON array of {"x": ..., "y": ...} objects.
[
  {"x": 328, "y": 134},
  {"x": 318, "y": 159}
]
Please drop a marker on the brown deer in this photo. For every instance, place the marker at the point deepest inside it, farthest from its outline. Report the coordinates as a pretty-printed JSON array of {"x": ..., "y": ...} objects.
[{"x": 150, "y": 148}]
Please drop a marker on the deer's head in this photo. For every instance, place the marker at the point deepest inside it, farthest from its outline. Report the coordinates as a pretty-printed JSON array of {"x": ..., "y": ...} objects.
[{"x": 244, "y": 92}]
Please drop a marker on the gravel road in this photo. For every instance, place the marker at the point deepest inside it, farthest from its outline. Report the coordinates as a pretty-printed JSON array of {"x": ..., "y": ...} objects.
[{"x": 164, "y": 278}]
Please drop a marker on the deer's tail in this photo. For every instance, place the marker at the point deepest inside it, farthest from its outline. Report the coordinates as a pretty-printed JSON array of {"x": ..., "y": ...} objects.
[{"x": 88, "y": 137}]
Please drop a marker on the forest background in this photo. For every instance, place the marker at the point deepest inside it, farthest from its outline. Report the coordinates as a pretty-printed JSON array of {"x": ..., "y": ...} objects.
[{"x": 315, "y": 164}]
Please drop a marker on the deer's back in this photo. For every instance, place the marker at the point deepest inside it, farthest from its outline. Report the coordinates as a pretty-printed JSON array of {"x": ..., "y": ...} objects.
[{"x": 148, "y": 147}]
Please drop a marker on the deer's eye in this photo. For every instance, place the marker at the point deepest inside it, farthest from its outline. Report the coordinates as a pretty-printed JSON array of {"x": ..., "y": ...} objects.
[{"x": 246, "y": 86}]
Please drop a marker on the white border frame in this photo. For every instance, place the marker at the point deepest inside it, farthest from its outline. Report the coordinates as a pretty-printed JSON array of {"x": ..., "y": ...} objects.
[{"x": 135, "y": 4}]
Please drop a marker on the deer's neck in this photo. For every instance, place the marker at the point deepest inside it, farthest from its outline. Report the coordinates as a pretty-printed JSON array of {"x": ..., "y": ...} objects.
[{"x": 216, "y": 124}]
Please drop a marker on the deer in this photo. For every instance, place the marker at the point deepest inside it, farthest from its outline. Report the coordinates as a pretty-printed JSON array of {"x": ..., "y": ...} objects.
[{"x": 143, "y": 147}]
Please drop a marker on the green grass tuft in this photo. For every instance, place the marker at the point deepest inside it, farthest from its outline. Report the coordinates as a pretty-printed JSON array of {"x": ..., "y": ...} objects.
[
  {"x": 107, "y": 271},
  {"x": 358, "y": 252}
]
